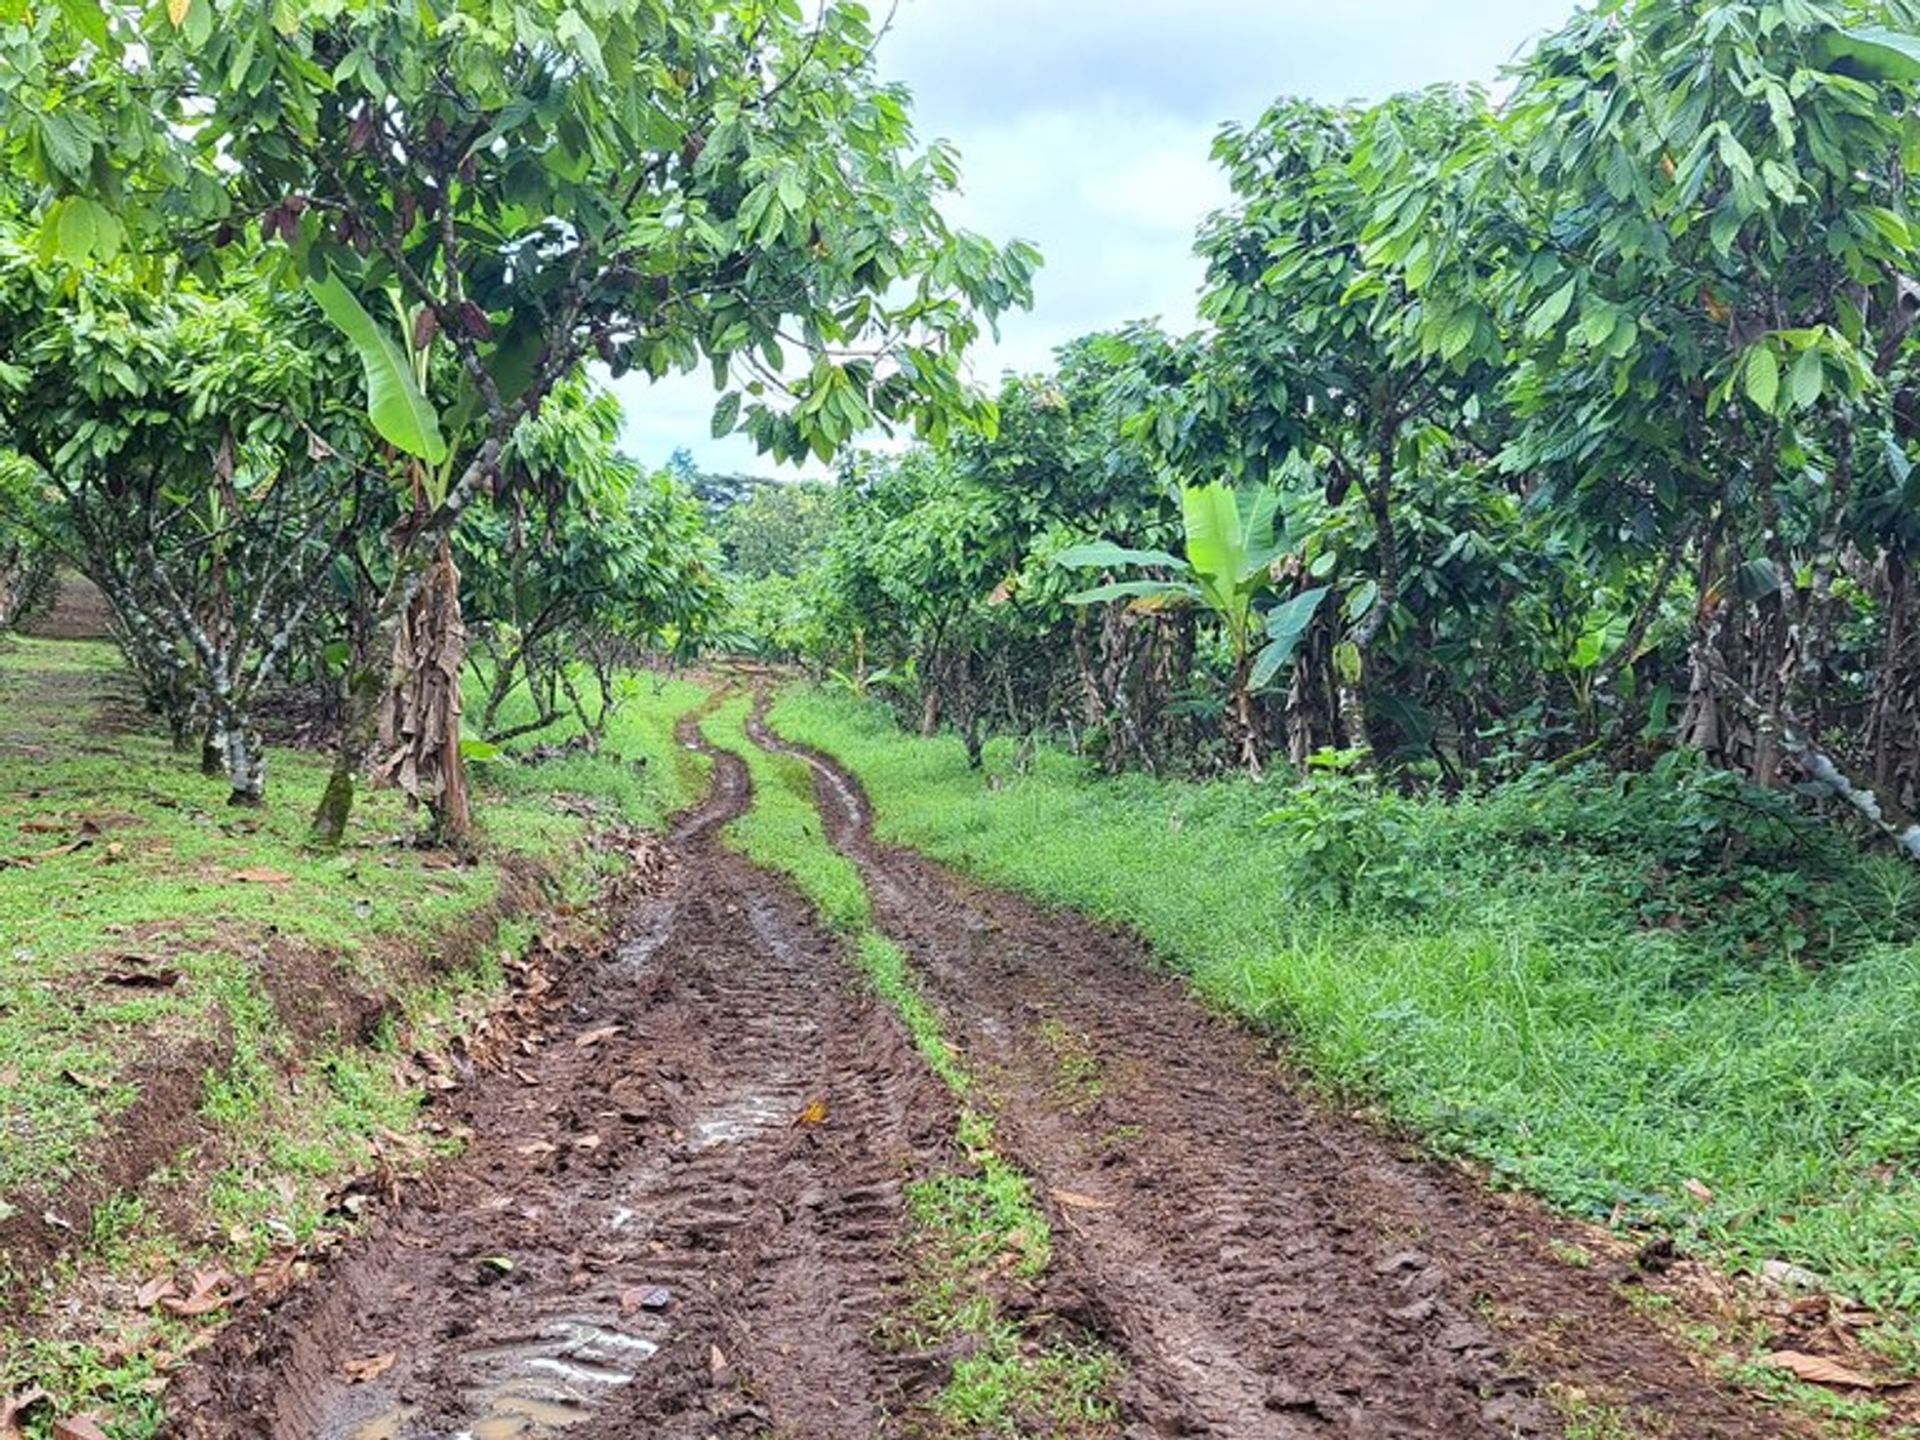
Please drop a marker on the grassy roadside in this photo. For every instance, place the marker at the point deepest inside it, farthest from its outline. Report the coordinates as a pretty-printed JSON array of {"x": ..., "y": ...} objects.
[
  {"x": 1495, "y": 984},
  {"x": 977, "y": 1227},
  {"x": 205, "y": 1028}
]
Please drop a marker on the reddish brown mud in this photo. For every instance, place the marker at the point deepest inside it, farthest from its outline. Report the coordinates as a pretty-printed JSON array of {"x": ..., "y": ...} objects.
[
  {"x": 1264, "y": 1266},
  {"x": 679, "y": 1214}
]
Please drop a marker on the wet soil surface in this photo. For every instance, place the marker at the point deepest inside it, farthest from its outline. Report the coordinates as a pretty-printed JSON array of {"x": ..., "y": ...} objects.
[
  {"x": 684, "y": 1226},
  {"x": 681, "y": 1213},
  {"x": 1264, "y": 1267}
]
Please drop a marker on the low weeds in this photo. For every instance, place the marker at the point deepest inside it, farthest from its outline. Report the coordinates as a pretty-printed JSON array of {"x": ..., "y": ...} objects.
[{"x": 1662, "y": 1001}]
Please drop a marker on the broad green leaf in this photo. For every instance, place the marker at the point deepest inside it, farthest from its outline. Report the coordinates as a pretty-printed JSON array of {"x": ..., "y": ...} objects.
[
  {"x": 1552, "y": 311},
  {"x": 1763, "y": 378},
  {"x": 1808, "y": 378},
  {"x": 402, "y": 415},
  {"x": 726, "y": 415},
  {"x": 1136, "y": 590},
  {"x": 1287, "y": 625},
  {"x": 1104, "y": 556},
  {"x": 89, "y": 17},
  {"x": 75, "y": 229},
  {"x": 1216, "y": 541},
  {"x": 1873, "y": 51}
]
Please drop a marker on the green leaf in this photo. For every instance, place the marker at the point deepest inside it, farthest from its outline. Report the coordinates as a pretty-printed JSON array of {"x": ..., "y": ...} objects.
[
  {"x": 402, "y": 415},
  {"x": 1287, "y": 625},
  {"x": 1363, "y": 600},
  {"x": 89, "y": 17},
  {"x": 1873, "y": 52},
  {"x": 67, "y": 141},
  {"x": 75, "y": 229},
  {"x": 1102, "y": 555},
  {"x": 1216, "y": 541},
  {"x": 1136, "y": 590},
  {"x": 1552, "y": 311},
  {"x": 1763, "y": 378},
  {"x": 1808, "y": 378},
  {"x": 726, "y": 415}
]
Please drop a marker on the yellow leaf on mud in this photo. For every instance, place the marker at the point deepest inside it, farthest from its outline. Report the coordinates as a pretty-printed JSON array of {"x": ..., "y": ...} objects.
[
  {"x": 814, "y": 1114},
  {"x": 1818, "y": 1371}
]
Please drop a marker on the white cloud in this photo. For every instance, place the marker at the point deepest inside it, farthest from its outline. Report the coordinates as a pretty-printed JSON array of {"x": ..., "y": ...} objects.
[{"x": 1085, "y": 125}]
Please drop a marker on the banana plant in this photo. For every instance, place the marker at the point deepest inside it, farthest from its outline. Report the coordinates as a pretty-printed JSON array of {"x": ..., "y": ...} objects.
[{"x": 1234, "y": 541}]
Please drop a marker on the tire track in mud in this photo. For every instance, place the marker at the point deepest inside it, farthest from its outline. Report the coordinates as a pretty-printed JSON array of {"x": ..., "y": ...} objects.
[
  {"x": 1264, "y": 1266},
  {"x": 517, "y": 1289}
]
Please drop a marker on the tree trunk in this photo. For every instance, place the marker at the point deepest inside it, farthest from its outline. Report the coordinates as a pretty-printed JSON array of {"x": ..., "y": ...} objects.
[
  {"x": 420, "y": 718},
  {"x": 246, "y": 763}
]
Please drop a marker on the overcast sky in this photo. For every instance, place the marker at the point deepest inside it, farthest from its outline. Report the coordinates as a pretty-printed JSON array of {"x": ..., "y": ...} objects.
[{"x": 1084, "y": 126}]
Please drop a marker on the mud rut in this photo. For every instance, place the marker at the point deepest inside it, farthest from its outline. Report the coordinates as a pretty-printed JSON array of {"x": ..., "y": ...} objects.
[{"x": 1261, "y": 1267}]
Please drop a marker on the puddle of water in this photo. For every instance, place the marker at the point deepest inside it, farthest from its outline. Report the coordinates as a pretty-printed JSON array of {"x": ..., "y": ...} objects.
[
  {"x": 637, "y": 952},
  {"x": 742, "y": 1120},
  {"x": 390, "y": 1426},
  {"x": 539, "y": 1386}
]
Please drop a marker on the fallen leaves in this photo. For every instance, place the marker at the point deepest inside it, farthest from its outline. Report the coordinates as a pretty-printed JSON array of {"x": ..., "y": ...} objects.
[
  {"x": 594, "y": 1037},
  {"x": 159, "y": 1288},
  {"x": 652, "y": 1298},
  {"x": 78, "y": 1427},
  {"x": 1072, "y": 1201},
  {"x": 260, "y": 875},
  {"x": 212, "y": 1290},
  {"x": 369, "y": 1367},
  {"x": 1817, "y": 1370},
  {"x": 814, "y": 1115},
  {"x": 12, "y": 1407}
]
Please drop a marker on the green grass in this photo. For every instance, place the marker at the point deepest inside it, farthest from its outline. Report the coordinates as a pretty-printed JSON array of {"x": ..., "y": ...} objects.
[
  {"x": 640, "y": 769},
  {"x": 781, "y": 830},
  {"x": 1495, "y": 987},
  {"x": 976, "y": 1226},
  {"x": 161, "y": 880},
  {"x": 162, "y": 877}
]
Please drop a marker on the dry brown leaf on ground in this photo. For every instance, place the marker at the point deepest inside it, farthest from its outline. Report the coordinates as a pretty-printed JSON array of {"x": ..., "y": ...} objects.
[
  {"x": 594, "y": 1037},
  {"x": 12, "y": 1407},
  {"x": 212, "y": 1290},
  {"x": 1819, "y": 1371},
  {"x": 161, "y": 1287},
  {"x": 1080, "y": 1202},
  {"x": 369, "y": 1367},
  {"x": 260, "y": 875},
  {"x": 645, "y": 1297},
  {"x": 78, "y": 1427}
]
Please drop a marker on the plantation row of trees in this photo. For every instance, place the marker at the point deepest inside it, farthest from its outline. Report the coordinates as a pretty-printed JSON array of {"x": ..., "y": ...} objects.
[
  {"x": 1581, "y": 421},
  {"x": 302, "y": 301}
]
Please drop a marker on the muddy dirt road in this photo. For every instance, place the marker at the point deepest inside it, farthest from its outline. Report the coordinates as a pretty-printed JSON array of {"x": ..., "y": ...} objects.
[
  {"x": 648, "y": 1237},
  {"x": 644, "y": 1237}
]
